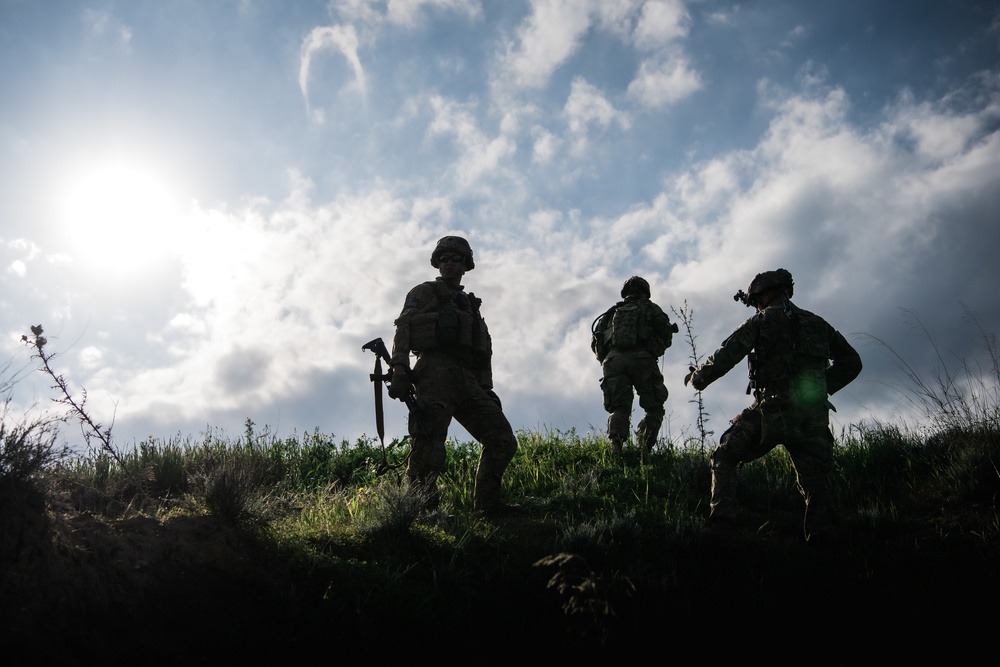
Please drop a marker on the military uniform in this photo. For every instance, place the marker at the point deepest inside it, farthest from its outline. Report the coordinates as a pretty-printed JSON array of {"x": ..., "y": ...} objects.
[
  {"x": 790, "y": 352},
  {"x": 441, "y": 324},
  {"x": 633, "y": 364}
]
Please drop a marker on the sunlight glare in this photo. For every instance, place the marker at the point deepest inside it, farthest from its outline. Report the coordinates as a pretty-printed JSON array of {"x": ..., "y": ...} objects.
[{"x": 118, "y": 215}]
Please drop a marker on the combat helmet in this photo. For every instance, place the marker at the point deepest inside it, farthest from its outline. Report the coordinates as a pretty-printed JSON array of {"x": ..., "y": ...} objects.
[
  {"x": 780, "y": 279},
  {"x": 456, "y": 243},
  {"x": 635, "y": 285}
]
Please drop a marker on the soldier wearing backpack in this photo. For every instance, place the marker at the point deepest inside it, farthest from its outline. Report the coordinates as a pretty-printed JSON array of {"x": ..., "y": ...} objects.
[{"x": 628, "y": 339}]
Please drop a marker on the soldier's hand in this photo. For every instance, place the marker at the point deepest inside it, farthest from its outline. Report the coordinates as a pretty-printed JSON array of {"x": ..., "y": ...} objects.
[
  {"x": 687, "y": 378},
  {"x": 400, "y": 386}
]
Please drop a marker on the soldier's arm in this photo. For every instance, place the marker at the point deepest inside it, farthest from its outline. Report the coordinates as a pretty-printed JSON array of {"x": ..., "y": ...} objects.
[
  {"x": 661, "y": 322},
  {"x": 416, "y": 299},
  {"x": 732, "y": 351},
  {"x": 485, "y": 374},
  {"x": 846, "y": 363}
]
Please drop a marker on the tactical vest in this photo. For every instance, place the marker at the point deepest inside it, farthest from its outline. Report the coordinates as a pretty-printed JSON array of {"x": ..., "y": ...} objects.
[{"x": 452, "y": 322}]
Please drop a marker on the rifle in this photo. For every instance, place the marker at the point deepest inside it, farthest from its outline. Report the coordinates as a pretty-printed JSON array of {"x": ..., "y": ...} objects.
[
  {"x": 378, "y": 377},
  {"x": 381, "y": 353}
]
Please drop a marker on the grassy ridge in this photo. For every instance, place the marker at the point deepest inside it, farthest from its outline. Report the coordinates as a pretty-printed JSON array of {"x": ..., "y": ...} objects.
[
  {"x": 259, "y": 545},
  {"x": 309, "y": 548}
]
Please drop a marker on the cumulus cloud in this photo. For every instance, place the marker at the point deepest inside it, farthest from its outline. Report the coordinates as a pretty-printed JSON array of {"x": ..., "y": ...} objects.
[
  {"x": 556, "y": 30},
  {"x": 586, "y": 107},
  {"x": 480, "y": 154},
  {"x": 847, "y": 211},
  {"x": 663, "y": 81},
  {"x": 281, "y": 295},
  {"x": 544, "y": 146},
  {"x": 661, "y": 22},
  {"x": 284, "y": 294},
  {"x": 547, "y": 38},
  {"x": 407, "y": 12},
  {"x": 265, "y": 310}
]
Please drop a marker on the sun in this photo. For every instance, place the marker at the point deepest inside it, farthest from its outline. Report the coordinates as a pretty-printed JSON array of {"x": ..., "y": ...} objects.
[{"x": 119, "y": 214}]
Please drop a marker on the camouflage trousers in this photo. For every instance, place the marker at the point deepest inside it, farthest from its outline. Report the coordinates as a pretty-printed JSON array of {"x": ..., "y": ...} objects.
[
  {"x": 623, "y": 372},
  {"x": 805, "y": 434},
  {"x": 448, "y": 389}
]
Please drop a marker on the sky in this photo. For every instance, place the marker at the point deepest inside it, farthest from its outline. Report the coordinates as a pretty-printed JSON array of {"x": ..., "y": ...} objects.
[{"x": 211, "y": 206}]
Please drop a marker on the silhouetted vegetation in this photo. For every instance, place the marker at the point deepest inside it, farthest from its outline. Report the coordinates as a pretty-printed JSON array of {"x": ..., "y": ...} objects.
[{"x": 302, "y": 547}]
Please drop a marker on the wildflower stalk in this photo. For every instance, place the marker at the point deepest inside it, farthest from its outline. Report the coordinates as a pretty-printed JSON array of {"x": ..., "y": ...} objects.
[
  {"x": 91, "y": 428},
  {"x": 686, "y": 316}
]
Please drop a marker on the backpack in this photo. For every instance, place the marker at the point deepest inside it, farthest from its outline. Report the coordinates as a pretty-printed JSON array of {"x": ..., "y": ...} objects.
[
  {"x": 623, "y": 326},
  {"x": 628, "y": 328}
]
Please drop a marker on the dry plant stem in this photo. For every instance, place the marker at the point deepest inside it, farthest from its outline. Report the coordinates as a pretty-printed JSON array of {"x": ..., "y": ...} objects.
[
  {"x": 91, "y": 429},
  {"x": 686, "y": 316}
]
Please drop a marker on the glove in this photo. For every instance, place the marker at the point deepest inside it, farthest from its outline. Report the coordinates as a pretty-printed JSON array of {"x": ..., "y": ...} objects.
[
  {"x": 400, "y": 387},
  {"x": 689, "y": 376}
]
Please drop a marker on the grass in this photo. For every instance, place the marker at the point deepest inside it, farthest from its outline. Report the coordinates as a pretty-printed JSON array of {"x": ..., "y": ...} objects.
[
  {"x": 327, "y": 549},
  {"x": 308, "y": 546}
]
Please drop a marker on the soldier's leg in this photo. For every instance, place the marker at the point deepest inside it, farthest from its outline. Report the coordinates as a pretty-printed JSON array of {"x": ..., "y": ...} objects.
[
  {"x": 812, "y": 457},
  {"x": 428, "y": 428},
  {"x": 483, "y": 418},
  {"x": 741, "y": 442},
  {"x": 652, "y": 397},
  {"x": 617, "y": 389},
  {"x": 618, "y": 428},
  {"x": 428, "y": 431}
]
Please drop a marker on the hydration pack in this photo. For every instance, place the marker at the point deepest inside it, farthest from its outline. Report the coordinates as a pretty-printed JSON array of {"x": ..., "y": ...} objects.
[
  {"x": 624, "y": 326},
  {"x": 628, "y": 326}
]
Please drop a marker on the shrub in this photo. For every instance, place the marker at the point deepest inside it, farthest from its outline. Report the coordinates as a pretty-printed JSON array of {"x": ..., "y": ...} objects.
[{"x": 26, "y": 450}]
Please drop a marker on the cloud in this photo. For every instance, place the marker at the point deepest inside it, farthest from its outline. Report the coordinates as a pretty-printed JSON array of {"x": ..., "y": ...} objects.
[
  {"x": 264, "y": 312},
  {"x": 667, "y": 75},
  {"x": 868, "y": 223},
  {"x": 556, "y": 30},
  {"x": 342, "y": 38},
  {"x": 362, "y": 23},
  {"x": 102, "y": 26},
  {"x": 843, "y": 208},
  {"x": 586, "y": 107},
  {"x": 664, "y": 80},
  {"x": 545, "y": 40},
  {"x": 661, "y": 22},
  {"x": 479, "y": 154},
  {"x": 282, "y": 295},
  {"x": 544, "y": 146},
  {"x": 404, "y": 13},
  {"x": 278, "y": 294},
  {"x": 407, "y": 12},
  {"x": 617, "y": 17}
]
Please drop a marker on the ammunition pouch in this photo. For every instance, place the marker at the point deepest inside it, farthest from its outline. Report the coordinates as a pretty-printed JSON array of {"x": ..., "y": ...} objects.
[{"x": 461, "y": 332}]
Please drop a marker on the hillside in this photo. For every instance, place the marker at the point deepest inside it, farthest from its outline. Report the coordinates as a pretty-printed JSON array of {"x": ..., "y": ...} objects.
[{"x": 605, "y": 558}]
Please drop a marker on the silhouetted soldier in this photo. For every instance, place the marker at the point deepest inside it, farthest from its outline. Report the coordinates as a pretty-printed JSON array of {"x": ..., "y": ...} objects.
[
  {"x": 791, "y": 375},
  {"x": 441, "y": 324},
  {"x": 628, "y": 339}
]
